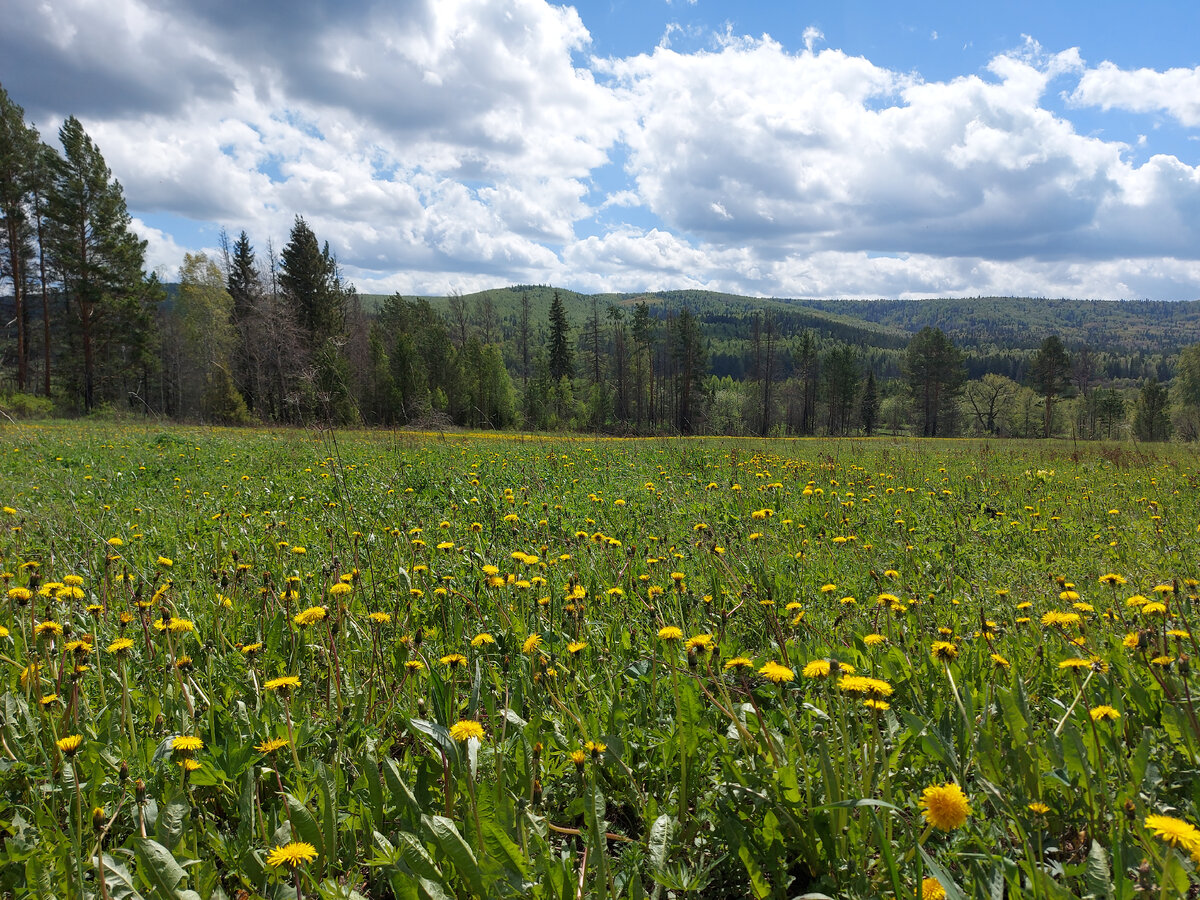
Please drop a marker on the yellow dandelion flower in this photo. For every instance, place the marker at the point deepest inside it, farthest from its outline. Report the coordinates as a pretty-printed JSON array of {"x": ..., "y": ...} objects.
[
  {"x": 944, "y": 806},
  {"x": 294, "y": 854},
  {"x": 465, "y": 730},
  {"x": 670, "y": 633},
  {"x": 70, "y": 744},
  {"x": 283, "y": 683},
  {"x": 776, "y": 672}
]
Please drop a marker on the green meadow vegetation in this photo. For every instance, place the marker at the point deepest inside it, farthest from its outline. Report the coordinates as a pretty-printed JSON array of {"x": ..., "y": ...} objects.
[{"x": 308, "y": 663}]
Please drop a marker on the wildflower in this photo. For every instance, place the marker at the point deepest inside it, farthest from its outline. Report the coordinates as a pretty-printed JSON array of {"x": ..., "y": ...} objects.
[
  {"x": 414, "y": 665},
  {"x": 180, "y": 626},
  {"x": 576, "y": 647},
  {"x": 272, "y": 745},
  {"x": 670, "y": 633},
  {"x": 702, "y": 641},
  {"x": 48, "y": 700},
  {"x": 1039, "y": 808},
  {"x": 340, "y": 589},
  {"x": 1112, "y": 579},
  {"x": 1060, "y": 619},
  {"x": 20, "y": 594},
  {"x": 944, "y": 806},
  {"x": 860, "y": 684},
  {"x": 283, "y": 683},
  {"x": 944, "y": 651},
  {"x": 51, "y": 628},
  {"x": 70, "y": 744},
  {"x": 1176, "y": 832},
  {"x": 531, "y": 643},
  {"x": 482, "y": 638},
  {"x": 165, "y": 562},
  {"x": 310, "y": 616},
  {"x": 1154, "y": 609},
  {"x": 251, "y": 649},
  {"x": 777, "y": 673},
  {"x": 294, "y": 854},
  {"x": 931, "y": 889},
  {"x": 453, "y": 660},
  {"x": 1163, "y": 661},
  {"x": 185, "y": 745},
  {"x": 1104, "y": 714},
  {"x": 738, "y": 662},
  {"x": 465, "y": 730},
  {"x": 1074, "y": 663},
  {"x": 380, "y": 618},
  {"x": 999, "y": 661}
]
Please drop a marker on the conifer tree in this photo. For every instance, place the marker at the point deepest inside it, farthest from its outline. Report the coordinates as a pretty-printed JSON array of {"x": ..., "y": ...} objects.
[{"x": 100, "y": 262}]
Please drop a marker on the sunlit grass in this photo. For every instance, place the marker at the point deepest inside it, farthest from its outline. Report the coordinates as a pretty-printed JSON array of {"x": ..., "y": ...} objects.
[{"x": 301, "y": 662}]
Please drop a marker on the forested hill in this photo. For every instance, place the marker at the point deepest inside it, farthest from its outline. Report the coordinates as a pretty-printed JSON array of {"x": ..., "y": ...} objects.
[{"x": 1018, "y": 323}]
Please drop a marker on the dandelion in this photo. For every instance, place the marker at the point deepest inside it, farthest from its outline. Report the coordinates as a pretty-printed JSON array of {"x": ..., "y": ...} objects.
[
  {"x": 379, "y": 618},
  {"x": 453, "y": 660},
  {"x": 165, "y": 562},
  {"x": 738, "y": 662},
  {"x": 1060, "y": 619},
  {"x": 180, "y": 626},
  {"x": 873, "y": 640},
  {"x": 185, "y": 745},
  {"x": 576, "y": 647},
  {"x": 931, "y": 889},
  {"x": 70, "y": 744},
  {"x": 944, "y": 806},
  {"x": 700, "y": 641},
  {"x": 310, "y": 616},
  {"x": 465, "y": 730},
  {"x": 481, "y": 639},
  {"x": 531, "y": 643},
  {"x": 670, "y": 633},
  {"x": 1038, "y": 808},
  {"x": 776, "y": 672},
  {"x": 1103, "y": 714},
  {"x": 293, "y": 854},
  {"x": 1176, "y": 832},
  {"x": 943, "y": 651},
  {"x": 283, "y": 683},
  {"x": 271, "y": 745},
  {"x": 1112, "y": 579},
  {"x": 999, "y": 661}
]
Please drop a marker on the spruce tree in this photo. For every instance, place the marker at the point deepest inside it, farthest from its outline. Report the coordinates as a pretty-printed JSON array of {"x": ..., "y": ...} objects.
[{"x": 561, "y": 363}]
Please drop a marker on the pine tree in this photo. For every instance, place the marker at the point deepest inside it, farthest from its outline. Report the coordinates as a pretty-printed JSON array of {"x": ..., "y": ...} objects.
[
  {"x": 310, "y": 281},
  {"x": 935, "y": 372},
  {"x": 1151, "y": 421},
  {"x": 100, "y": 261},
  {"x": 561, "y": 363},
  {"x": 1050, "y": 375},
  {"x": 868, "y": 412},
  {"x": 19, "y": 148}
]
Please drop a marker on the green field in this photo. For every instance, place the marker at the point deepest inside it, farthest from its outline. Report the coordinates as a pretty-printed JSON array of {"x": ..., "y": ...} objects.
[{"x": 269, "y": 663}]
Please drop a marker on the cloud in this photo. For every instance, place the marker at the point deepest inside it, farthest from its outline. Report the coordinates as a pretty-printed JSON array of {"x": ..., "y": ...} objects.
[
  {"x": 1175, "y": 91},
  {"x": 799, "y": 153},
  {"x": 465, "y": 143}
]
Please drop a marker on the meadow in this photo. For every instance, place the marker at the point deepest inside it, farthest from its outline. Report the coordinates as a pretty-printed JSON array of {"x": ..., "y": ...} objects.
[{"x": 304, "y": 663}]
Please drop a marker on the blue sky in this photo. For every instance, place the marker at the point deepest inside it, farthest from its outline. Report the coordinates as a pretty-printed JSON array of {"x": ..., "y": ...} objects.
[{"x": 827, "y": 149}]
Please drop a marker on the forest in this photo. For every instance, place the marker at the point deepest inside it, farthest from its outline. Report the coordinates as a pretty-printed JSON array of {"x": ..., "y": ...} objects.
[{"x": 259, "y": 335}]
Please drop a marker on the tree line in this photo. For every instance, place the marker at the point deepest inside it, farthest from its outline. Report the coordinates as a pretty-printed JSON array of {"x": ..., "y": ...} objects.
[{"x": 281, "y": 337}]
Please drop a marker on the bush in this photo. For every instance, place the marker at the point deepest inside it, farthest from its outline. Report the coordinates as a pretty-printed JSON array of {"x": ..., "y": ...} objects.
[{"x": 26, "y": 406}]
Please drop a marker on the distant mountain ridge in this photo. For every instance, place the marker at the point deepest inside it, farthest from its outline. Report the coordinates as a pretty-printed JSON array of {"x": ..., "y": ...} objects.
[{"x": 1019, "y": 323}]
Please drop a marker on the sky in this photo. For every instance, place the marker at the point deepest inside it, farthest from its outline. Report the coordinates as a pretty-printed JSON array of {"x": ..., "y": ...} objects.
[{"x": 789, "y": 148}]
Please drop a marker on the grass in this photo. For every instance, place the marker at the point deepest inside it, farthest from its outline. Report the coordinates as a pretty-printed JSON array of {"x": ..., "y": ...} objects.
[{"x": 370, "y": 664}]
